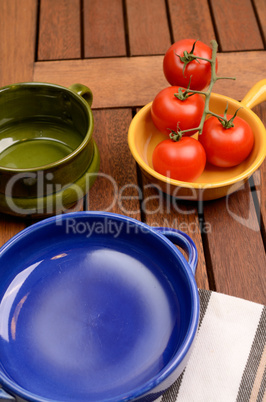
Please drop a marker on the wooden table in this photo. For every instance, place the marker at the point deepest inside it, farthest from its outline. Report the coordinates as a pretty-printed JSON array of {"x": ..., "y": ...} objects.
[{"x": 116, "y": 48}]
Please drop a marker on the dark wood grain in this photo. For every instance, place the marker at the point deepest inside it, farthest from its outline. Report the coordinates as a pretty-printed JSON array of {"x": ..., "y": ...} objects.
[
  {"x": 18, "y": 38},
  {"x": 116, "y": 188},
  {"x": 147, "y": 27},
  {"x": 135, "y": 81},
  {"x": 104, "y": 34},
  {"x": 191, "y": 19},
  {"x": 59, "y": 30},
  {"x": 260, "y": 7},
  {"x": 236, "y": 248},
  {"x": 236, "y": 25},
  {"x": 9, "y": 226}
]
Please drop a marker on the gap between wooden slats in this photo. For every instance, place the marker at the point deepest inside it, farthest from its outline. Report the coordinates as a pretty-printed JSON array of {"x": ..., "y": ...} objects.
[
  {"x": 260, "y": 10},
  {"x": 135, "y": 81},
  {"x": 236, "y": 25},
  {"x": 148, "y": 27},
  {"x": 236, "y": 246},
  {"x": 259, "y": 179},
  {"x": 116, "y": 188},
  {"x": 161, "y": 210},
  {"x": 191, "y": 19}
]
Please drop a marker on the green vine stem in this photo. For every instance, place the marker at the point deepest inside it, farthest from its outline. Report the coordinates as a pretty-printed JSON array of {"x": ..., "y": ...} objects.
[{"x": 176, "y": 135}]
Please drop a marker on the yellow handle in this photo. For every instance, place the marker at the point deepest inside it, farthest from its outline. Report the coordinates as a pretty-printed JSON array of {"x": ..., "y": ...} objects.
[{"x": 256, "y": 95}]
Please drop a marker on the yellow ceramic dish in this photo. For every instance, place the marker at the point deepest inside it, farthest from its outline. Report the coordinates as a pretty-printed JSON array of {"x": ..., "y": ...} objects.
[{"x": 214, "y": 182}]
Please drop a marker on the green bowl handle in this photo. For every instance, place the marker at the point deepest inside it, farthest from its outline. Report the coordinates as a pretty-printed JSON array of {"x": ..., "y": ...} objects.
[{"x": 83, "y": 91}]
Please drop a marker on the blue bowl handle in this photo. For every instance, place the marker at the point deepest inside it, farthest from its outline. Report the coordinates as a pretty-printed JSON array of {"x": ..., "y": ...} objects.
[
  {"x": 182, "y": 240},
  {"x": 4, "y": 396}
]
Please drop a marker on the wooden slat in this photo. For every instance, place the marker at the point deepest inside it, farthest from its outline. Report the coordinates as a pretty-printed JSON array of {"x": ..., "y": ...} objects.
[
  {"x": 236, "y": 25},
  {"x": 191, "y": 19},
  {"x": 260, "y": 6},
  {"x": 161, "y": 210},
  {"x": 115, "y": 82},
  {"x": 235, "y": 246},
  {"x": 17, "y": 52},
  {"x": 136, "y": 81},
  {"x": 116, "y": 188},
  {"x": 259, "y": 177},
  {"x": 17, "y": 44},
  {"x": 259, "y": 181},
  {"x": 104, "y": 28},
  {"x": 59, "y": 30},
  {"x": 148, "y": 27},
  {"x": 9, "y": 226}
]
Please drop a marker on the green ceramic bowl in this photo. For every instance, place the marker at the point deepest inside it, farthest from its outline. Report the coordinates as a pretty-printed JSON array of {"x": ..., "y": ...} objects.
[
  {"x": 56, "y": 203},
  {"x": 46, "y": 138}
]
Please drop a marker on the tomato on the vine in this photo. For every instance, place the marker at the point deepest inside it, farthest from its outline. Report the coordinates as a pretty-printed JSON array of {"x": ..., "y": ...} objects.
[
  {"x": 182, "y": 160},
  {"x": 179, "y": 66},
  {"x": 226, "y": 147},
  {"x": 170, "y": 113}
]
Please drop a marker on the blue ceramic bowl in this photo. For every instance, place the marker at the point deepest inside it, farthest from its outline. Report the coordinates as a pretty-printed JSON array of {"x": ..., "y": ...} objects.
[{"x": 95, "y": 307}]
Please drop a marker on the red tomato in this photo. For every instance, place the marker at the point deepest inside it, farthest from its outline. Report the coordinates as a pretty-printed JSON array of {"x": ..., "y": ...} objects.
[
  {"x": 200, "y": 70},
  {"x": 180, "y": 160},
  {"x": 168, "y": 112},
  {"x": 226, "y": 147}
]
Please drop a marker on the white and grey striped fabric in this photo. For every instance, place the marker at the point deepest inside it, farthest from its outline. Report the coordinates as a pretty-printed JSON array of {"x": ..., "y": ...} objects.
[{"x": 228, "y": 362}]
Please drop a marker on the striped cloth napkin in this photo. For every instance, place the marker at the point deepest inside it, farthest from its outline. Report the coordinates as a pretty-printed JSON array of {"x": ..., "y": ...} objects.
[{"x": 228, "y": 361}]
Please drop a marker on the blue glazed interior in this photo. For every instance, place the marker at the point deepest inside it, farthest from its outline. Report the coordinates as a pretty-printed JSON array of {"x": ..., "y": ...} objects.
[{"x": 91, "y": 309}]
